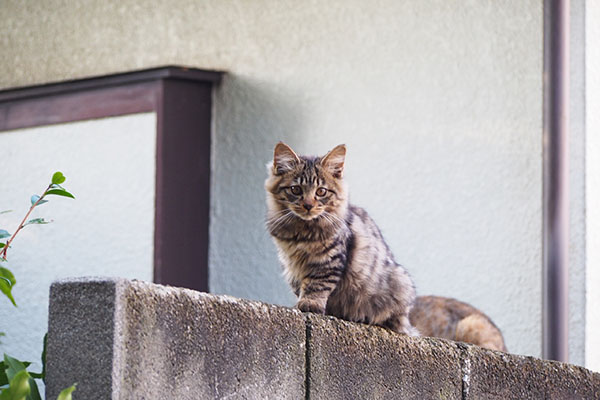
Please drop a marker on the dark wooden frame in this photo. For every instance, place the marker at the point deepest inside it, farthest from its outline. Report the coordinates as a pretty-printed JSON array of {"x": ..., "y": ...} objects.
[{"x": 182, "y": 100}]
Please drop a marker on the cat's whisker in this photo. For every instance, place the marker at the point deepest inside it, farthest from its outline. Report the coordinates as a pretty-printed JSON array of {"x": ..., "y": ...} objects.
[
  {"x": 278, "y": 214},
  {"x": 281, "y": 212},
  {"x": 271, "y": 217},
  {"x": 275, "y": 223},
  {"x": 327, "y": 219},
  {"x": 333, "y": 219},
  {"x": 287, "y": 218}
]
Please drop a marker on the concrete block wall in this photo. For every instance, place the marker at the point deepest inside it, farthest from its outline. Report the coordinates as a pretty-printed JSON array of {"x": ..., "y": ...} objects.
[{"x": 121, "y": 339}]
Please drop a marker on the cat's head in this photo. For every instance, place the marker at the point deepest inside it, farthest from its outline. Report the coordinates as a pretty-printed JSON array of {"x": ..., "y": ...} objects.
[{"x": 311, "y": 187}]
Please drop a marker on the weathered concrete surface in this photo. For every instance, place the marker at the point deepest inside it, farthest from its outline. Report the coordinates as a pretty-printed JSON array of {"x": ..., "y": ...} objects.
[
  {"x": 499, "y": 376},
  {"x": 121, "y": 339},
  {"x": 355, "y": 361},
  {"x": 81, "y": 337},
  {"x": 172, "y": 343},
  {"x": 182, "y": 344}
]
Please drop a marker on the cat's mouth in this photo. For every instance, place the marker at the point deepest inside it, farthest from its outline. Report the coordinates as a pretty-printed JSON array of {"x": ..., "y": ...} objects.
[{"x": 307, "y": 215}]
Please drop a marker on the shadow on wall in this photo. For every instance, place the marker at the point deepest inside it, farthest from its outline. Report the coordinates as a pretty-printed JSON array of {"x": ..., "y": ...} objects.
[{"x": 251, "y": 116}]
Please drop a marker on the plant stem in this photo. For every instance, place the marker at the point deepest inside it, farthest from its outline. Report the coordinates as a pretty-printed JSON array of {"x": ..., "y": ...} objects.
[{"x": 21, "y": 225}]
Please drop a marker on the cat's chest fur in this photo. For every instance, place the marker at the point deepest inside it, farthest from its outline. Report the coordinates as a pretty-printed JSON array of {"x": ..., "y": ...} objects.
[{"x": 300, "y": 259}]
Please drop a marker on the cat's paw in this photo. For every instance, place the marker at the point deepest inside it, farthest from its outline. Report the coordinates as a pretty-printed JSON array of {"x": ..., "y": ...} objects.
[
  {"x": 313, "y": 306},
  {"x": 412, "y": 331}
]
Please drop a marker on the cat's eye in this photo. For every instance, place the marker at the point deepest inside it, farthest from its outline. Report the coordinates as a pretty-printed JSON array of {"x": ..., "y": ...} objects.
[
  {"x": 321, "y": 192},
  {"x": 297, "y": 190}
]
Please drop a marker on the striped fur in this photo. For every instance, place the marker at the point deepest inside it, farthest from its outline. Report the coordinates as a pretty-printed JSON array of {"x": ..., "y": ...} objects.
[
  {"x": 333, "y": 254},
  {"x": 452, "y": 319}
]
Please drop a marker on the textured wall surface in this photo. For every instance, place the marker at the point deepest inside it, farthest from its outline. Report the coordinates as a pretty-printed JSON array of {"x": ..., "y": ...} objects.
[
  {"x": 438, "y": 101},
  {"x": 148, "y": 341},
  {"x": 108, "y": 230},
  {"x": 577, "y": 177},
  {"x": 593, "y": 184}
]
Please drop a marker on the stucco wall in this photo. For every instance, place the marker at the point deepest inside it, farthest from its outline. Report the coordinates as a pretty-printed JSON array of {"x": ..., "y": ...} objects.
[
  {"x": 577, "y": 177},
  {"x": 438, "y": 101},
  {"x": 593, "y": 184},
  {"x": 107, "y": 230}
]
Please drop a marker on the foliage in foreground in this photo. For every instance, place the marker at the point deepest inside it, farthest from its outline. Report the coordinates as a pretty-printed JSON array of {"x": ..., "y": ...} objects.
[{"x": 16, "y": 383}]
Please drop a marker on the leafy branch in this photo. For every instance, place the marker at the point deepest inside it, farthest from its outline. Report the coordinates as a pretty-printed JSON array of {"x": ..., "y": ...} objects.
[
  {"x": 7, "y": 279},
  {"x": 16, "y": 383},
  {"x": 53, "y": 189}
]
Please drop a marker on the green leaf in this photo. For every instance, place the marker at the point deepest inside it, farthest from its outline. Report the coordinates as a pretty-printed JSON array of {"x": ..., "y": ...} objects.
[
  {"x": 36, "y": 199},
  {"x": 4, "y": 234},
  {"x": 3, "y": 377},
  {"x": 35, "y": 392},
  {"x": 6, "y": 289},
  {"x": 13, "y": 370},
  {"x": 5, "y": 212},
  {"x": 13, "y": 366},
  {"x": 19, "y": 387},
  {"x": 58, "y": 178},
  {"x": 36, "y": 221},
  {"x": 60, "y": 192},
  {"x": 44, "y": 357},
  {"x": 2, "y": 245},
  {"x": 6, "y": 274},
  {"x": 7, "y": 281},
  {"x": 66, "y": 393}
]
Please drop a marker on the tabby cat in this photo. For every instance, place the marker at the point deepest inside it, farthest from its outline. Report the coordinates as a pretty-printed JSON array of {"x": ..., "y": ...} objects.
[
  {"x": 333, "y": 254},
  {"x": 452, "y": 319}
]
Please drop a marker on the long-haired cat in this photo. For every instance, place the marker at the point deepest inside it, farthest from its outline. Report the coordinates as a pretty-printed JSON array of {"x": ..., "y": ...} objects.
[
  {"x": 333, "y": 254},
  {"x": 452, "y": 319}
]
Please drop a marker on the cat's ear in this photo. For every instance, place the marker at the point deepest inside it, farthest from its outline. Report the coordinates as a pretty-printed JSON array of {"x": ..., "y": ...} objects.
[
  {"x": 284, "y": 158},
  {"x": 334, "y": 160}
]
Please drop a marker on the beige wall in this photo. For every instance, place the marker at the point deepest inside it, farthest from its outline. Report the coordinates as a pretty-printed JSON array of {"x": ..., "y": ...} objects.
[
  {"x": 438, "y": 101},
  {"x": 592, "y": 336}
]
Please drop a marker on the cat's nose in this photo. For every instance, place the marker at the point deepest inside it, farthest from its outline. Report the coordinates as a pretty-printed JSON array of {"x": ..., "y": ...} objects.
[{"x": 307, "y": 206}]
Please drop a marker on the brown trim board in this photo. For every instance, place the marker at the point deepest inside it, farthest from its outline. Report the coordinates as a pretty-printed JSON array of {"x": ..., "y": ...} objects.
[
  {"x": 182, "y": 100},
  {"x": 77, "y": 106}
]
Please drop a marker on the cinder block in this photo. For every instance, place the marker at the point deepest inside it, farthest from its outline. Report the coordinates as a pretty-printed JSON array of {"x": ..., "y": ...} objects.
[
  {"x": 354, "y": 361},
  {"x": 133, "y": 340},
  {"x": 500, "y": 376},
  {"x": 81, "y": 330}
]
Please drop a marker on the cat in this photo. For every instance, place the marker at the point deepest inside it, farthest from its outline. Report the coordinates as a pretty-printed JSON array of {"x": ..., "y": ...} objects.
[
  {"x": 452, "y": 319},
  {"x": 333, "y": 255}
]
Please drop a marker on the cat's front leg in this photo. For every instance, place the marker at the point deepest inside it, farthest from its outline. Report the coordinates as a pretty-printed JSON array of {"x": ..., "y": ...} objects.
[
  {"x": 311, "y": 305},
  {"x": 314, "y": 295}
]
